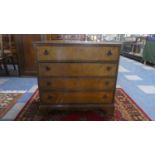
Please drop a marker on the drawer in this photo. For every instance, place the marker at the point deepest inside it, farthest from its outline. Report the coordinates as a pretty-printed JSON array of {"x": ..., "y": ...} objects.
[
  {"x": 77, "y": 69},
  {"x": 77, "y": 83},
  {"x": 76, "y": 53},
  {"x": 76, "y": 97}
]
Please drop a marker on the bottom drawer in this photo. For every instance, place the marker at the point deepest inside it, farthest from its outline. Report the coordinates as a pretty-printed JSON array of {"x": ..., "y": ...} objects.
[{"x": 76, "y": 97}]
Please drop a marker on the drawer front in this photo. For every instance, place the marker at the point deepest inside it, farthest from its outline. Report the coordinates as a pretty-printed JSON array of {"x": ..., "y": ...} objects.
[
  {"x": 76, "y": 53},
  {"x": 76, "y": 84},
  {"x": 76, "y": 69},
  {"x": 76, "y": 97}
]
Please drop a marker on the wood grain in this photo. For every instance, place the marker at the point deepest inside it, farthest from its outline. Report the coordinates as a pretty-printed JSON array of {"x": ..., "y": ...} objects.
[
  {"x": 77, "y": 74},
  {"x": 77, "y": 97},
  {"x": 72, "y": 84},
  {"x": 77, "y": 53},
  {"x": 26, "y": 53},
  {"x": 76, "y": 69}
]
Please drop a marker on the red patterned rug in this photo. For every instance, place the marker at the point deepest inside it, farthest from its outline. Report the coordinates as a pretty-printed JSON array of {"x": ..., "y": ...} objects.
[
  {"x": 7, "y": 101},
  {"x": 125, "y": 110}
]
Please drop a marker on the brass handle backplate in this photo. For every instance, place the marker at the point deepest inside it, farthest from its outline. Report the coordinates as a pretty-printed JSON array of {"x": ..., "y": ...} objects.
[
  {"x": 109, "y": 68},
  {"x": 48, "y": 68},
  {"x": 45, "y": 52},
  {"x": 105, "y": 96},
  {"x": 50, "y": 97},
  {"x": 109, "y": 53}
]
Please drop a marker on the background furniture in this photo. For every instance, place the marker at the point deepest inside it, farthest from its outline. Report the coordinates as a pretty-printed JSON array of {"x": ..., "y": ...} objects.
[
  {"x": 3, "y": 64},
  {"x": 81, "y": 37},
  {"x": 134, "y": 49},
  {"x": 9, "y": 47},
  {"x": 2, "y": 58},
  {"x": 26, "y": 54},
  {"x": 7, "y": 52},
  {"x": 77, "y": 74},
  {"x": 149, "y": 52}
]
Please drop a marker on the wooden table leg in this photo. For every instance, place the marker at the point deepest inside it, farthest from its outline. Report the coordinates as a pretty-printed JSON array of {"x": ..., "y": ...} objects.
[
  {"x": 12, "y": 61},
  {"x": 5, "y": 67}
]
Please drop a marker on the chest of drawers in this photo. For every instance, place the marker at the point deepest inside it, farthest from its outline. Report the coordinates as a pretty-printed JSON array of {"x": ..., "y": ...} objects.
[{"x": 77, "y": 74}]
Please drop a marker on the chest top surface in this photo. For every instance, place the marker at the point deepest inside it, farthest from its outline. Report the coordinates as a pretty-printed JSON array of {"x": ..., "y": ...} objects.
[{"x": 65, "y": 42}]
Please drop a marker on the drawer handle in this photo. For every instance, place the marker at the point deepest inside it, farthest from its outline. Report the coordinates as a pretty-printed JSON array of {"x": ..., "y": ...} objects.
[
  {"x": 105, "y": 96},
  {"x": 48, "y": 68},
  {"x": 45, "y": 52},
  {"x": 50, "y": 97},
  {"x": 109, "y": 68},
  {"x": 48, "y": 83},
  {"x": 107, "y": 83},
  {"x": 109, "y": 53}
]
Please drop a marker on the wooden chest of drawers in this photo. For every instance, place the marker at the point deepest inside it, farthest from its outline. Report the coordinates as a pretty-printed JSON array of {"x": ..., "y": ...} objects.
[{"x": 77, "y": 74}]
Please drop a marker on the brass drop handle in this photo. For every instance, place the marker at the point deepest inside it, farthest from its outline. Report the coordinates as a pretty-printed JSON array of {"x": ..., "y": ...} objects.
[
  {"x": 48, "y": 68},
  {"x": 50, "y": 97},
  {"x": 107, "y": 83},
  {"x": 48, "y": 83},
  {"x": 108, "y": 68},
  {"x": 109, "y": 53},
  {"x": 46, "y": 52},
  {"x": 105, "y": 96}
]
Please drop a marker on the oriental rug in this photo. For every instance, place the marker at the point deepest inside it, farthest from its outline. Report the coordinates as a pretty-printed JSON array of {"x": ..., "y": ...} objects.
[
  {"x": 125, "y": 110},
  {"x": 7, "y": 101}
]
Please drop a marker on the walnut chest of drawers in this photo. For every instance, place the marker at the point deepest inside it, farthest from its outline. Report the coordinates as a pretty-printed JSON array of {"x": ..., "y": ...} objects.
[{"x": 77, "y": 74}]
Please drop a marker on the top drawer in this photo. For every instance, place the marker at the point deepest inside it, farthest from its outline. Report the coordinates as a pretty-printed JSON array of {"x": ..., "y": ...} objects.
[{"x": 77, "y": 53}]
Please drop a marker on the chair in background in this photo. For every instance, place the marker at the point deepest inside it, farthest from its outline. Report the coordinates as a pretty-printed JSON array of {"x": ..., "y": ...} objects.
[
  {"x": 6, "y": 53},
  {"x": 2, "y": 57}
]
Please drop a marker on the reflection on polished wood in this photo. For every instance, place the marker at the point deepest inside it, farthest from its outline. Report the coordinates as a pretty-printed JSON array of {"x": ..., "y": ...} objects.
[
  {"x": 74, "y": 84},
  {"x": 77, "y": 97},
  {"x": 76, "y": 53},
  {"x": 77, "y": 69}
]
